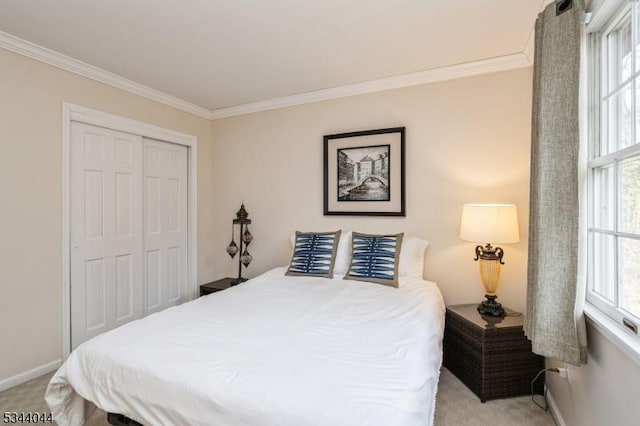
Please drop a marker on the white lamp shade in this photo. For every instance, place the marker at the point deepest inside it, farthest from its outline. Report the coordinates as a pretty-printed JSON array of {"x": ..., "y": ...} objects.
[{"x": 490, "y": 223}]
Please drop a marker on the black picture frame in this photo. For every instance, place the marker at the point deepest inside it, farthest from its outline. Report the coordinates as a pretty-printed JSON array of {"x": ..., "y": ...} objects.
[{"x": 390, "y": 204}]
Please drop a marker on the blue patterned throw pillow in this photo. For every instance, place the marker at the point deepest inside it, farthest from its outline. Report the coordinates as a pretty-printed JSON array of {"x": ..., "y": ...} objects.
[
  {"x": 314, "y": 254},
  {"x": 375, "y": 258}
]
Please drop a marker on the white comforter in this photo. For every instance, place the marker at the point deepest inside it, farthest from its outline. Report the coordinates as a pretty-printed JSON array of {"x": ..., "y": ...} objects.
[{"x": 276, "y": 350}]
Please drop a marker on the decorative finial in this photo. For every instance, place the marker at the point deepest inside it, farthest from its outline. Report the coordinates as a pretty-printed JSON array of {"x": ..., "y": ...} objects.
[{"x": 242, "y": 213}]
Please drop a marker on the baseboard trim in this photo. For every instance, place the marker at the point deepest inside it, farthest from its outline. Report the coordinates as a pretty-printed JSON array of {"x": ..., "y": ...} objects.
[
  {"x": 21, "y": 378},
  {"x": 555, "y": 412}
]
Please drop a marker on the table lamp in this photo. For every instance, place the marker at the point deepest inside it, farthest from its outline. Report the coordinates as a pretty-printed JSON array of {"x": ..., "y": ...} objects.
[{"x": 490, "y": 224}]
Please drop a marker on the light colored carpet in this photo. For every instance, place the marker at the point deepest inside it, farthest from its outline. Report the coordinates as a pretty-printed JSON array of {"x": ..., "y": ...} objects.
[
  {"x": 455, "y": 405},
  {"x": 29, "y": 397}
]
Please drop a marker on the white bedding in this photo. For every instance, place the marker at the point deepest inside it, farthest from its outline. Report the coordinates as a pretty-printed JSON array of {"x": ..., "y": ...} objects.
[{"x": 275, "y": 350}]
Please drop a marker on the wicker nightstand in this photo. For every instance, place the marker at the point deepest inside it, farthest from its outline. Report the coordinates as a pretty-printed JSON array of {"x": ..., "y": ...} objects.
[
  {"x": 490, "y": 355},
  {"x": 218, "y": 285}
]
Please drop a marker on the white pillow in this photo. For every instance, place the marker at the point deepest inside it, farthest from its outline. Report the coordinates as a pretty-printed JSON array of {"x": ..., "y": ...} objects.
[
  {"x": 343, "y": 255},
  {"x": 411, "y": 257}
]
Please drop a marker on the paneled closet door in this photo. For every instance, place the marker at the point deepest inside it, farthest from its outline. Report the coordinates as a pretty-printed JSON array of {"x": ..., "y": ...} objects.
[
  {"x": 165, "y": 224},
  {"x": 106, "y": 230}
]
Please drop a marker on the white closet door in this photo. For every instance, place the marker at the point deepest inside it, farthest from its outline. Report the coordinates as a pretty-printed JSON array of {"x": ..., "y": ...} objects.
[
  {"x": 165, "y": 229},
  {"x": 106, "y": 230}
]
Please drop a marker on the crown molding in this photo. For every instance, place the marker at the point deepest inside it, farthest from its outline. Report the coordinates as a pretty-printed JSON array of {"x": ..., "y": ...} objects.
[
  {"x": 529, "y": 48},
  {"x": 468, "y": 69},
  {"x": 51, "y": 57}
]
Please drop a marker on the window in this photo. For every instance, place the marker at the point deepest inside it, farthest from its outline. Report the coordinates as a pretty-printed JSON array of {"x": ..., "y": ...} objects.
[{"x": 614, "y": 167}]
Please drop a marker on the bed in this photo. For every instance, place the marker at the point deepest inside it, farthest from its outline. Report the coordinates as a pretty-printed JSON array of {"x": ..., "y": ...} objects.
[{"x": 276, "y": 350}]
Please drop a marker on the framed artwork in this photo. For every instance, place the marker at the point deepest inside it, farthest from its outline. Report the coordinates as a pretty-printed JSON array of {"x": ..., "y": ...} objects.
[{"x": 364, "y": 173}]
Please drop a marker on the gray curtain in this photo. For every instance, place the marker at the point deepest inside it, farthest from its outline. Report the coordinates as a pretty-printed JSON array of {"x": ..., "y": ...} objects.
[{"x": 555, "y": 295}]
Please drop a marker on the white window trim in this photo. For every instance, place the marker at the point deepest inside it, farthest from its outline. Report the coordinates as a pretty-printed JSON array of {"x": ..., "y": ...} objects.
[
  {"x": 622, "y": 338},
  {"x": 600, "y": 313}
]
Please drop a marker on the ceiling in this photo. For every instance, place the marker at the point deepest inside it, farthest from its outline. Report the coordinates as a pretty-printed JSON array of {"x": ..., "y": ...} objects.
[{"x": 217, "y": 53}]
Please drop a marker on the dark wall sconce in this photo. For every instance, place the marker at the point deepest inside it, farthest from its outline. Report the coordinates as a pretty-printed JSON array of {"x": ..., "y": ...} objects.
[{"x": 242, "y": 219}]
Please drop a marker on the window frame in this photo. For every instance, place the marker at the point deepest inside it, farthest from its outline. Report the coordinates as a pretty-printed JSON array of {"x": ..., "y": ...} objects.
[{"x": 598, "y": 92}]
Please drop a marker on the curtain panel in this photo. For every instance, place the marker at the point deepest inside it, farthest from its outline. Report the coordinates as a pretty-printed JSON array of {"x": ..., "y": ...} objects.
[{"x": 554, "y": 321}]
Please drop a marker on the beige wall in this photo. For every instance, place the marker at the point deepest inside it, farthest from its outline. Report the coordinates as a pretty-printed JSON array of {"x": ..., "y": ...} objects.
[
  {"x": 31, "y": 96},
  {"x": 602, "y": 392},
  {"x": 467, "y": 140}
]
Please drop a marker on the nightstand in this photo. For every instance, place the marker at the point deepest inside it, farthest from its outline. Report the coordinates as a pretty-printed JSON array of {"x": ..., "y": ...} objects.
[
  {"x": 221, "y": 284},
  {"x": 491, "y": 355}
]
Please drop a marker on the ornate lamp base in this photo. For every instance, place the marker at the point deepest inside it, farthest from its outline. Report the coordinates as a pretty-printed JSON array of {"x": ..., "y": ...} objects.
[{"x": 491, "y": 307}]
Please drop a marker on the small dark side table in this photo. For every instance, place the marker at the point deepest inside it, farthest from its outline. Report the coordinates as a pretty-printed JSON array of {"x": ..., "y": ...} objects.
[
  {"x": 491, "y": 355},
  {"x": 218, "y": 285}
]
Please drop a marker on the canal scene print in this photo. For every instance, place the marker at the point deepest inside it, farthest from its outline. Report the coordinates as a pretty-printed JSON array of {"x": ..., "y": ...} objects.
[{"x": 363, "y": 173}]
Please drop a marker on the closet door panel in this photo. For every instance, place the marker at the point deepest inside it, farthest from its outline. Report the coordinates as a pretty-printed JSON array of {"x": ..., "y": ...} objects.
[
  {"x": 106, "y": 230},
  {"x": 165, "y": 238}
]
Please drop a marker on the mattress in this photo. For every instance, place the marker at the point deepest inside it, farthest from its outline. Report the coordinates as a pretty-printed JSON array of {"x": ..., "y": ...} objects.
[{"x": 276, "y": 350}]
